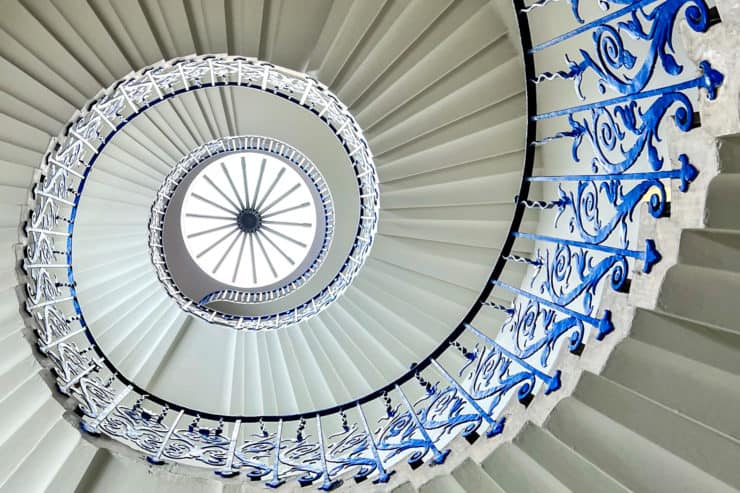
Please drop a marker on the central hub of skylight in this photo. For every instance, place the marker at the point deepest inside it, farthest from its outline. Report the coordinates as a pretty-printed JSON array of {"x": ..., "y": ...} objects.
[{"x": 250, "y": 219}]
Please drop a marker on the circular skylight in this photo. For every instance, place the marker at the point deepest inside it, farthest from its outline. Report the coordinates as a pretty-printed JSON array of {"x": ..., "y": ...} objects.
[
  {"x": 249, "y": 219},
  {"x": 245, "y": 220},
  {"x": 243, "y": 230}
]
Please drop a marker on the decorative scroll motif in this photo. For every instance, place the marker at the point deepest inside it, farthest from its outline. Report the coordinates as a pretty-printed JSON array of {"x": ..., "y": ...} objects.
[
  {"x": 95, "y": 398},
  {"x": 623, "y": 133},
  {"x": 405, "y": 431},
  {"x": 599, "y": 209},
  {"x": 607, "y": 127},
  {"x": 200, "y": 444},
  {"x": 592, "y": 248},
  {"x": 571, "y": 274},
  {"x": 252, "y": 456},
  {"x": 303, "y": 457},
  {"x": 497, "y": 371},
  {"x": 618, "y": 68},
  {"x": 141, "y": 427},
  {"x": 349, "y": 450}
]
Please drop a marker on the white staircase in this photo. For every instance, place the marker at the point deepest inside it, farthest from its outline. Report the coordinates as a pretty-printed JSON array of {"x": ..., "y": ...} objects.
[{"x": 436, "y": 86}]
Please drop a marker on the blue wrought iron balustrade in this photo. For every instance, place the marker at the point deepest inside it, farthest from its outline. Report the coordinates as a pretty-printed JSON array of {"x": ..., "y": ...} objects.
[{"x": 481, "y": 372}]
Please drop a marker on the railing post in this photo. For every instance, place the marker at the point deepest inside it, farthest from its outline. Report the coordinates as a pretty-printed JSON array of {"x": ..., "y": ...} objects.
[
  {"x": 383, "y": 476},
  {"x": 228, "y": 471},
  {"x": 157, "y": 459},
  {"x": 276, "y": 481},
  {"x": 92, "y": 428},
  {"x": 439, "y": 457},
  {"x": 494, "y": 427},
  {"x": 328, "y": 483}
]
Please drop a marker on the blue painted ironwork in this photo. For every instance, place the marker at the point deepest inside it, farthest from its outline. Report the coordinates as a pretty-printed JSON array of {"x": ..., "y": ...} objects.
[
  {"x": 571, "y": 274},
  {"x": 615, "y": 66},
  {"x": 276, "y": 480},
  {"x": 687, "y": 173},
  {"x": 594, "y": 223},
  {"x": 607, "y": 128},
  {"x": 254, "y": 453},
  {"x": 709, "y": 80},
  {"x": 556, "y": 310},
  {"x": 603, "y": 325},
  {"x": 305, "y": 457},
  {"x": 409, "y": 429},
  {"x": 595, "y": 24},
  {"x": 650, "y": 256},
  {"x": 496, "y": 372},
  {"x": 494, "y": 427},
  {"x": 329, "y": 483}
]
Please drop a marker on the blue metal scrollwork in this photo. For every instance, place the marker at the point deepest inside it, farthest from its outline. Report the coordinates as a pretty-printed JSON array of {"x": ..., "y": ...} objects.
[
  {"x": 611, "y": 121},
  {"x": 592, "y": 248},
  {"x": 618, "y": 68}
]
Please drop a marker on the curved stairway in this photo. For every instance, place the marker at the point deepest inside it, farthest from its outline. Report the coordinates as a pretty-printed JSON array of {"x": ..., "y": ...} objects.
[
  {"x": 662, "y": 414},
  {"x": 411, "y": 99},
  {"x": 435, "y": 86},
  {"x": 624, "y": 428}
]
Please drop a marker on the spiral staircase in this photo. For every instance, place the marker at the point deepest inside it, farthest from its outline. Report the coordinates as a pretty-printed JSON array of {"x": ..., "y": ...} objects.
[{"x": 462, "y": 214}]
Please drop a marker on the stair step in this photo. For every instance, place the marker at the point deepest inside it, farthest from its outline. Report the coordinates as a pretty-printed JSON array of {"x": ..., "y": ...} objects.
[
  {"x": 679, "y": 383},
  {"x": 74, "y": 467},
  {"x": 729, "y": 154},
  {"x": 476, "y": 45},
  {"x": 442, "y": 484},
  {"x": 570, "y": 468},
  {"x": 17, "y": 372},
  {"x": 700, "y": 294},
  {"x": 723, "y": 202},
  {"x": 516, "y": 472},
  {"x": 713, "y": 248},
  {"x": 628, "y": 457},
  {"x": 406, "y": 487},
  {"x": 109, "y": 473},
  {"x": 473, "y": 478},
  {"x": 695, "y": 443},
  {"x": 705, "y": 343},
  {"x": 36, "y": 470},
  {"x": 36, "y": 423},
  {"x": 16, "y": 406}
]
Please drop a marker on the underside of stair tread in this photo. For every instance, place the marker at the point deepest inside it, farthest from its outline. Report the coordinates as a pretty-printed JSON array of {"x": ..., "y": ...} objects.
[
  {"x": 438, "y": 89},
  {"x": 383, "y": 62},
  {"x": 37, "y": 470},
  {"x": 513, "y": 470},
  {"x": 708, "y": 344},
  {"x": 72, "y": 470},
  {"x": 626, "y": 456},
  {"x": 677, "y": 434},
  {"x": 472, "y": 477},
  {"x": 646, "y": 369},
  {"x": 442, "y": 484},
  {"x": 109, "y": 473},
  {"x": 570, "y": 468}
]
